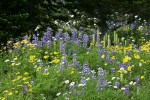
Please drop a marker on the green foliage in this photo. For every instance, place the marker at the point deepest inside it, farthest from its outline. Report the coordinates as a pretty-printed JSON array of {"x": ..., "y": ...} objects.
[{"x": 20, "y": 68}]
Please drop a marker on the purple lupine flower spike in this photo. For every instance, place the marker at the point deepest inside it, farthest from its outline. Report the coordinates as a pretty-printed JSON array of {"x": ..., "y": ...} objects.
[{"x": 127, "y": 90}]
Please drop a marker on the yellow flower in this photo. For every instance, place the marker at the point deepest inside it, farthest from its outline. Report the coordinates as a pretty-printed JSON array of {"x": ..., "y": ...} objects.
[
  {"x": 46, "y": 52},
  {"x": 24, "y": 78},
  {"x": 129, "y": 68},
  {"x": 30, "y": 90},
  {"x": 14, "y": 80},
  {"x": 17, "y": 73},
  {"x": 38, "y": 69},
  {"x": 24, "y": 41},
  {"x": 19, "y": 77},
  {"x": 23, "y": 48},
  {"x": 16, "y": 92},
  {"x": 26, "y": 73},
  {"x": 19, "y": 85},
  {"x": 16, "y": 45},
  {"x": 126, "y": 59},
  {"x": 46, "y": 74},
  {"x": 142, "y": 77},
  {"x": 113, "y": 58},
  {"x": 103, "y": 56},
  {"x": 55, "y": 53},
  {"x": 63, "y": 57},
  {"x": 56, "y": 61},
  {"x": 26, "y": 82},
  {"x": 143, "y": 61},
  {"x": 9, "y": 42},
  {"x": 122, "y": 70},
  {"x": 13, "y": 64},
  {"x": 32, "y": 58},
  {"x": 136, "y": 56},
  {"x": 45, "y": 57},
  {"x": 72, "y": 72},
  {"x": 3, "y": 98},
  {"x": 6, "y": 91},
  {"x": 10, "y": 93}
]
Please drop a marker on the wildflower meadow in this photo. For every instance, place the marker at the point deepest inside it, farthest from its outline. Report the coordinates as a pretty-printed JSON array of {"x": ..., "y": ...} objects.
[{"x": 76, "y": 65}]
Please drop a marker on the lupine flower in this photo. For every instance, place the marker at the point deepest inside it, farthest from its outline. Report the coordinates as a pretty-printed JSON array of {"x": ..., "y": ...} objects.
[
  {"x": 126, "y": 91},
  {"x": 61, "y": 66},
  {"x": 93, "y": 76},
  {"x": 113, "y": 70},
  {"x": 86, "y": 68},
  {"x": 83, "y": 80},
  {"x": 25, "y": 89},
  {"x": 138, "y": 79},
  {"x": 40, "y": 62},
  {"x": 72, "y": 87},
  {"x": 85, "y": 40},
  {"x": 75, "y": 62},
  {"x": 117, "y": 85},
  {"x": 34, "y": 40},
  {"x": 32, "y": 82},
  {"x": 101, "y": 80},
  {"x": 45, "y": 70},
  {"x": 62, "y": 47},
  {"x": 74, "y": 35}
]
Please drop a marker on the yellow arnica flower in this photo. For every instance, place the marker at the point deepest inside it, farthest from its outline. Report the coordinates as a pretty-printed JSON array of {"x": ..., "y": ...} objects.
[
  {"x": 122, "y": 70},
  {"x": 45, "y": 57},
  {"x": 46, "y": 74},
  {"x": 136, "y": 56},
  {"x": 19, "y": 77},
  {"x": 103, "y": 56},
  {"x": 6, "y": 91},
  {"x": 39, "y": 68},
  {"x": 63, "y": 57},
  {"x": 55, "y": 53},
  {"x": 30, "y": 90},
  {"x": 14, "y": 80},
  {"x": 19, "y": 85},
  {"x": 72, "y": 72},
  {"x": 126, "y": 59},
  {"x": 24, "y": 78},
  {"x": 129, "y": 68},
  {"x": 56, "y": 61},
  {"x": 113, "y": 57},
  {"x": 9, "y": 42},
  {"x": 46, "y": 52},
  {"x": 24, "y": 41},
  {"x": 26, "y": 73},
  {"x": 17, "y": 73},
  {"x": 26, "y": 82},
  {"x": 142, "y": 77},
  {"x": 10, "y": 93},
  {"x": 3, "y": 98},
  {"x": 16, "y": 45},
  {"x": 32, "y": 58},
  {"x": 16, "y": 92}
]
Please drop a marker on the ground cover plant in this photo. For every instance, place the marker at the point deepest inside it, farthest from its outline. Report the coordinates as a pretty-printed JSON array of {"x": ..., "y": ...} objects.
[{"x": 76, "y": 66}]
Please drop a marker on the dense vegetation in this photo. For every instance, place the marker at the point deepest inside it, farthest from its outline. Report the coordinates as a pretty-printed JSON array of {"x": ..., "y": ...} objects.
[
  {"x": 94, "y": 50},
  {"x": 76, "y": 66}
]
